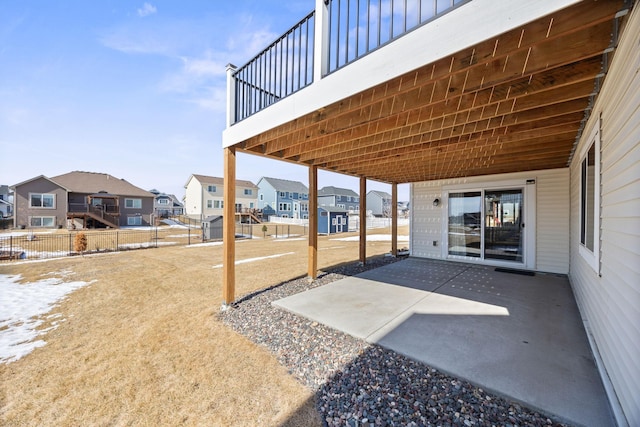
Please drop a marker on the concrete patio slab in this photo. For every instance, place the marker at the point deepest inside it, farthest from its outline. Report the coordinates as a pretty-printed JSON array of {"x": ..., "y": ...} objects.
[{"x": 519, "y": 336}]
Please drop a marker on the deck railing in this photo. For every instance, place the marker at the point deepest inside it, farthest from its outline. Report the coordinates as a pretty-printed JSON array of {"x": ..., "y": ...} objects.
[
  {"x": 281, "y": 69},
  {"x": 357, "y": 27},
  {"x": 349, "y": 29}
]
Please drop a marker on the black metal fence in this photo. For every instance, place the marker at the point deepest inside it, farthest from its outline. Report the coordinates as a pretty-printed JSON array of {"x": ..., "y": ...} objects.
[{"x": 56, "y": 244}]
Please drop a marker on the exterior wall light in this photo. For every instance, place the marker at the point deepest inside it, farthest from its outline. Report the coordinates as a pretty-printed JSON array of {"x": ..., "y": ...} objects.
[{"x": 436, "y": 202}]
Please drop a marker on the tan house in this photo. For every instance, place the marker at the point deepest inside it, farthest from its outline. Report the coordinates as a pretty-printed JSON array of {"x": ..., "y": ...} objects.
[
  {"x": 517, "y": 124},
  {"x": 81, "y": 200},
  {"x": 204, "y": 196}
]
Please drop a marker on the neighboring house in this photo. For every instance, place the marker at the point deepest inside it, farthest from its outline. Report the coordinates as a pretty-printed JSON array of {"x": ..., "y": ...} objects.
[
  {"x": 6, "y": 202},
  {"x": 379, "y": 203},
  {"x": 81, "y": 200},
  {"x": 165, "y": 205},
  {"x": 332, "y": 220},
  {"x": 403, "y": 209},
  {"x": 204, "y": 196},
  {"x": 283, "y": 198},
  {"x": 340, "y": 198},
  {"x": 520, "y": 138}
]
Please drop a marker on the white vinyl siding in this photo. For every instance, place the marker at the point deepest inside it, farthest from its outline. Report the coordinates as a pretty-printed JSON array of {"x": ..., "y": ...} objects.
[
  {"x": 552, "y": 216},
  {"x": 552, "y": 231},
  {"x": 610, "y": 301}
]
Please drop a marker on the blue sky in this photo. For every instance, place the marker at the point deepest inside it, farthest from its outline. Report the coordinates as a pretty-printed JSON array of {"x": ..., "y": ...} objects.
[{"x": 131, "y": 88}]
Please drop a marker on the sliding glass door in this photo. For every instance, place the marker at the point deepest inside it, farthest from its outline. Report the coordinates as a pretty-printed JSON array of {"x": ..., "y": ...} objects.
[
  {"x": 465, "y": 224},
  {"x": 487, "y": 224},
  {"x": 502, "y": 225}
]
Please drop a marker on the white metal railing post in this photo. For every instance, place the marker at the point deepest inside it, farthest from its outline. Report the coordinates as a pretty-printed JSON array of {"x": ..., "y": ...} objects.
[
  {"x": 231, "y": 95},
  {"x": 321, "y": 41}
]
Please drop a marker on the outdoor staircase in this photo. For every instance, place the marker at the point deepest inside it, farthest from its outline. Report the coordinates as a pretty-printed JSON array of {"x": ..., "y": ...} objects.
[{"x": 96, "y": 214}]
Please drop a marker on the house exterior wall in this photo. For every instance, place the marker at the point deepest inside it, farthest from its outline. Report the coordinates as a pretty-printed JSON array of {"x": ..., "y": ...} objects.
[
  {"x": 267, "y": 197},
  {"x": 202, "y": 203},
  {"x": 144, "y": 212},
  {"x": 375, "y": 203},
  {"x": 193, "y": 198},
  {"x": 248, "y": 201},
  {"x": 552, "y": 216},
  {"x": 609, "y": 300},
  {"x": 23, "y": 212}
]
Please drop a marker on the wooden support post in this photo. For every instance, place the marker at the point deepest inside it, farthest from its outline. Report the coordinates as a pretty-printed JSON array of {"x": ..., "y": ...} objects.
[
  {"x": 363, "y": 220},
  {"x": 313, "y": 222},
  {"x": 394, "y": 219},
  {"x": 229, "y": 228}
]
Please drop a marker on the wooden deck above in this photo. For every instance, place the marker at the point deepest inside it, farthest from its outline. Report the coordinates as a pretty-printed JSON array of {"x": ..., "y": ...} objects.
[{"x": 513, "y": 103}]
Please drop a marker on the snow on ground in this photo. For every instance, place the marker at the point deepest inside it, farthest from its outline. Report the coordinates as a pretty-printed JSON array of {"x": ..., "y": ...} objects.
[
  {"x": 145, "y": 245},
  {"x": 373, "y": 238},
  {"x": 22, "y": 307},
  {"x": 243, "y": 261}
]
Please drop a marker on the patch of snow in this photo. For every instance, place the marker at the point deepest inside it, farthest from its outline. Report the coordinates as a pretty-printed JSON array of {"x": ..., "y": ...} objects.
[
  {"x": 21, "y": 308},
  {"x": 373, "y": 238},
  {"x": 243, "y": 261}
]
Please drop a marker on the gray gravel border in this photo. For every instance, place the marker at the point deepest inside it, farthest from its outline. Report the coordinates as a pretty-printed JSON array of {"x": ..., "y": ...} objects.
[{"x": 361, "y": 384}]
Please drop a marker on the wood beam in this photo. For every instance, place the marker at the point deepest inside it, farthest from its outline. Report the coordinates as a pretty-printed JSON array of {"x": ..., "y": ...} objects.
[
  {"x": 229, "y": 228},
  {"x": 394, "y": 219},
  {"x": 363, "y": 220},
  {"x": 313, "y": 223}
]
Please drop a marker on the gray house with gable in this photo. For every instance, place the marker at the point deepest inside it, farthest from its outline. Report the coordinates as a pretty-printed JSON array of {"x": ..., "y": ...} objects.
[
  {"x": 283, "y": 198},
  {"x": 339, "y": 198}
]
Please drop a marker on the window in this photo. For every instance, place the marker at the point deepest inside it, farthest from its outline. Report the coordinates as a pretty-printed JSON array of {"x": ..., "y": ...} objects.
[
  {"x": 209, "y": 204},
  {"x": 251, "y": 206},
  {"x": 218, "y": 204},
  {"x": 294, "y": 195},
  {"x": 248, "y": 192},
  {"x": 284, "y": 206},
  {"x": 590, "y": 200},
  {"x": 304, "y": 207},
  {"x": 348, "y": 198},
  {"x": 341, "y": 205},
  {"x": 211, "y": 188},
  {"x": 163, "y": 202},
  {"x": 133, "y": 203},
  {"x": 262, "y": 197},
  {"x": 42, "y": 221},
  {"x": 37, "y": 200},
  {"x": 283, "y": 194},
  {"x": 134, "y": 220}
]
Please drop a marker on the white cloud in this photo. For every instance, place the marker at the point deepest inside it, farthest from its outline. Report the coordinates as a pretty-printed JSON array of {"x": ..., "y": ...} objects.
[
  {"x": 146, "y": 10},
  {"x": 215, "y": 99}
]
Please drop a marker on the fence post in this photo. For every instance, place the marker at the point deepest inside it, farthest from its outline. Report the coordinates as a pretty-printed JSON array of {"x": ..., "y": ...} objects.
[
  {"x": 288, "y": 231},
  {"x": 10, "y": 247},
  {"x": 70, "y": 244},
  {"x": 156, "y": 237}
]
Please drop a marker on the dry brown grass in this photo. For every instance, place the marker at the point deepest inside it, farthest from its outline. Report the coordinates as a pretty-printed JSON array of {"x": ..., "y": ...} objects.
[{"x": 143, "y": 344}]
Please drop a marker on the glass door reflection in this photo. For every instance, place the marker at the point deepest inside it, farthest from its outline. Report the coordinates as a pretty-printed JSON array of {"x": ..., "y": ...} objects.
[
  {"x": 465, "y": 224},
  {"x": 503, "y": 225}
]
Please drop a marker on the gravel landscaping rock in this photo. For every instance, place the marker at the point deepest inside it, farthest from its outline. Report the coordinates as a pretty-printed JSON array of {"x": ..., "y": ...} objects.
[{"x": 360, "y": 384}]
